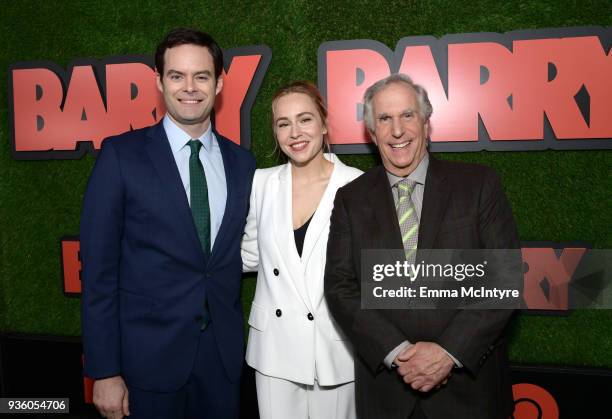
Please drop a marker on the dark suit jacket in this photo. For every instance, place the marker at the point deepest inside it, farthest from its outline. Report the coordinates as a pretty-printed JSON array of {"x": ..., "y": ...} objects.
[
  {"x": 144, "y": 272},
  {"x": 463, "y": 207}
]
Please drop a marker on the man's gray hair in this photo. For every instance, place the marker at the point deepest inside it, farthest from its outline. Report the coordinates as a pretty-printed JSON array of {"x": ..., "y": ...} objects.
[{"x": 425, "y": 108}]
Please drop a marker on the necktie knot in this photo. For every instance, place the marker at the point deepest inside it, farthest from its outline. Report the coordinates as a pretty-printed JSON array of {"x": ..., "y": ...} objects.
[
  {"x": 195, "y": 146},
  {"x": 405, "y": 187}
]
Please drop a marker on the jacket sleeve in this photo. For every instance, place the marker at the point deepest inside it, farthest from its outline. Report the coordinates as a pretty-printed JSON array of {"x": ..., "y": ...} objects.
[
  {"x": 249, "y": 249},
  {"x": 472, "y": 334},
  {"x": 100, "y": 237},
  {"x": 372, "y": 334}
]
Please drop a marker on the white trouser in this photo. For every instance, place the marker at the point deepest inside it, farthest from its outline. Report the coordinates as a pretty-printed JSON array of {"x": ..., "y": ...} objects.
[{"x": 283, "y": 399}]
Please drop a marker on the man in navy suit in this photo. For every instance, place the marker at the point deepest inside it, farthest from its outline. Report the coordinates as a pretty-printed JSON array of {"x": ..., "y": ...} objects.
[{"x": 162, "y": 220}]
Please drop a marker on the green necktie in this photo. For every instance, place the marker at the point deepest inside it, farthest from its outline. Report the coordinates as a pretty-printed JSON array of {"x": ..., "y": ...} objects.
[
  {"x": 407, "y": 217},
  {"x": 198, "y": 193}
]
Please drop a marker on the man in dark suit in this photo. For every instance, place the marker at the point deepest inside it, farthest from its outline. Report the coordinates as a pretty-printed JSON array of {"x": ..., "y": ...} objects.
[
  {"x": 162, "y": 220},
  {"x": 433, "y": 364}
]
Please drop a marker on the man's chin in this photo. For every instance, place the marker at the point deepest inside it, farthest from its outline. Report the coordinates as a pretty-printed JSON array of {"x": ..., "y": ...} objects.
[
  {"x": 401, "y": 164},
  {"x": 192, "y": 121}
]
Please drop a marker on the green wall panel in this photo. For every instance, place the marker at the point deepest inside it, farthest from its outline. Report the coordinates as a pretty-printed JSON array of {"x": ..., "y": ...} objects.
[{"x": 556, "y": 195}]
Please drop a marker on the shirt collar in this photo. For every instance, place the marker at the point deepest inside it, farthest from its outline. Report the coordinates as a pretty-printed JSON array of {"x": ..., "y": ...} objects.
[
  {"x": 179, "y": 138},
  {"x": 418, "y": 175}
]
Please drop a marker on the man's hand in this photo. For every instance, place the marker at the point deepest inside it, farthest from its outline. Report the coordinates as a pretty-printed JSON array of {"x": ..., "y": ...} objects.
[
  {"x": 424, "y": 365},
  {"x": 110, "y": 395}
]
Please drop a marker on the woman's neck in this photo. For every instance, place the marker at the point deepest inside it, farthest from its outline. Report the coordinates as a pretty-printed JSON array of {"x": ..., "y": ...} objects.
[{"x": 316, "y": 169}]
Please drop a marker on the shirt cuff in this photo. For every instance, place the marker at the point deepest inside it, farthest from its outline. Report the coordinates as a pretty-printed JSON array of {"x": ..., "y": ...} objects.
[
  {"x": 458, "y": 364},
  {"x": 390, "y": 358}
]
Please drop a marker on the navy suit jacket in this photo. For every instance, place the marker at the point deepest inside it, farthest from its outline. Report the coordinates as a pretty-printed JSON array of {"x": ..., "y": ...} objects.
[{"x": 144, "y": 272}]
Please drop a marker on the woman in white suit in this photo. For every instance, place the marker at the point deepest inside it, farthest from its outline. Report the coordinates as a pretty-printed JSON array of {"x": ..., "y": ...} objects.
[{"x": 303, "y": 363}]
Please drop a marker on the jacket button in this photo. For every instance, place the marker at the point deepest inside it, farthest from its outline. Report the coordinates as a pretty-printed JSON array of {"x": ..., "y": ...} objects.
[
  {"x": 310, "y": 317},
  {"x": 275, "y": 272},
  {"x": 198, "y": 318},
  {"x": 278, "y": 312}
]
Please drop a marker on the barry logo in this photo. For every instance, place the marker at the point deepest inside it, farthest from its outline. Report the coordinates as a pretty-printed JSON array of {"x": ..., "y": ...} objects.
[
  {"x": 523, "y": 90},
  {"x": 62, "y": 114}
]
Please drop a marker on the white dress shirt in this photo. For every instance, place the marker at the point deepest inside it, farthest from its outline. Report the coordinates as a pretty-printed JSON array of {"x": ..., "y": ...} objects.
[{"x": 212, "y": 161}]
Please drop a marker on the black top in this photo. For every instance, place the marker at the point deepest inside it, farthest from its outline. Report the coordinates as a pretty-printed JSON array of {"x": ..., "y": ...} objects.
[{"x": 300, "y": 234}]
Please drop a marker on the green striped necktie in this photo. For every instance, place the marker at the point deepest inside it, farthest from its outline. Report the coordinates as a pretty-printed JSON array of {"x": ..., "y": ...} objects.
[{"x": 407, "y": 217}]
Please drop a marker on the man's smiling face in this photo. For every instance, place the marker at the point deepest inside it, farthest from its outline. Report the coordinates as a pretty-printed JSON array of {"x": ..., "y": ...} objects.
[
  {"x": 189, "y": 85},
  {"x": 400, "y": 132}
]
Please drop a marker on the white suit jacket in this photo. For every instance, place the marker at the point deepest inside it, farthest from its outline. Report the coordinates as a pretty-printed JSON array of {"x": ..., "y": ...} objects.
[{"x": 292, "y": 335}]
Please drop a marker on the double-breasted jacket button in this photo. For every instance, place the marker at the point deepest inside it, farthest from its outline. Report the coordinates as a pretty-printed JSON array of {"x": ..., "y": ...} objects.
[
  {"x": 310, "y": 317},
  {"x": 275, "y": 271},
  {"x": 198, "y": 318},
  {"x": 278, "y": 312}
]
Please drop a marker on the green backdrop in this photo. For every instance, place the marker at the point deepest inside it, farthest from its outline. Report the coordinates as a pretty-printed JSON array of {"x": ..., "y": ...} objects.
[{"x": 556, "y": 195}]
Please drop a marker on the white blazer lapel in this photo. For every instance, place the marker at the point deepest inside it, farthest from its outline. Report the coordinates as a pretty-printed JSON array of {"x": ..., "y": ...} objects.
[
  {"x": 285, "y": 240},
  {"x": 321, "y": 216},
  {"x": 319, "y": 225}
]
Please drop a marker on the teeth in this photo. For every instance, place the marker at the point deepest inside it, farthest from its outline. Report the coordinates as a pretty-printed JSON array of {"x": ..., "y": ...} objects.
[
  {"x": 190, "y": 101},
  {"x": 402, "y": 145},
  {"x": 299, "y": 146}
]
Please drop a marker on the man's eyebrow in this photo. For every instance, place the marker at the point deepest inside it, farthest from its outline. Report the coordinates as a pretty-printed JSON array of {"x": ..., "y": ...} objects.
[
  {"x": 205, "y": 72},
  {"x": 407, "y": 110}
]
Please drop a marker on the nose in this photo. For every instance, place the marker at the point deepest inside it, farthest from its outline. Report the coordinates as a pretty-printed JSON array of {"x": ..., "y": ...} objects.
[
  {"x": 397, "y": 128},
  {"x": 189, "y": 85},
  {"x": 295, "y": 131}
]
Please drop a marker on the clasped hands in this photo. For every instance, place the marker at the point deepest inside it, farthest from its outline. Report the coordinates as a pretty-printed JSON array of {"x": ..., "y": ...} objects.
[{"x": 424, "y": 366}]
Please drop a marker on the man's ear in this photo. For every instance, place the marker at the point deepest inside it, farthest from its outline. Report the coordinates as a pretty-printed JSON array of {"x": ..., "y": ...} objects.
[
  {"x": 158, "y": 79},
  {"x": 373, "y": 137},
  {"x": 219, "y": 85}
]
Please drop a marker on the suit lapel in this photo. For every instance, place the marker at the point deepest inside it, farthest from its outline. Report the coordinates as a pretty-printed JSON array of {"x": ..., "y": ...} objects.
[
  {"x": 320, "y": 223},
  {"x": 231, "y": 178},
  {"x": 381, "y": 201},
  {"x": 160, "y": 153},
  {"x": 285, "y": 239},
  {"x": 323, "y": 211},
  {"x": 435, "y": 201}
]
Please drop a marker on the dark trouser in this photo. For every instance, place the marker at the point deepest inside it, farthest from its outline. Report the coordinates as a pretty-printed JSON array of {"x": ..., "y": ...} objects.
[
  {"x": 417, "y": 413},
  {"x": 208, "y": 393}
]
